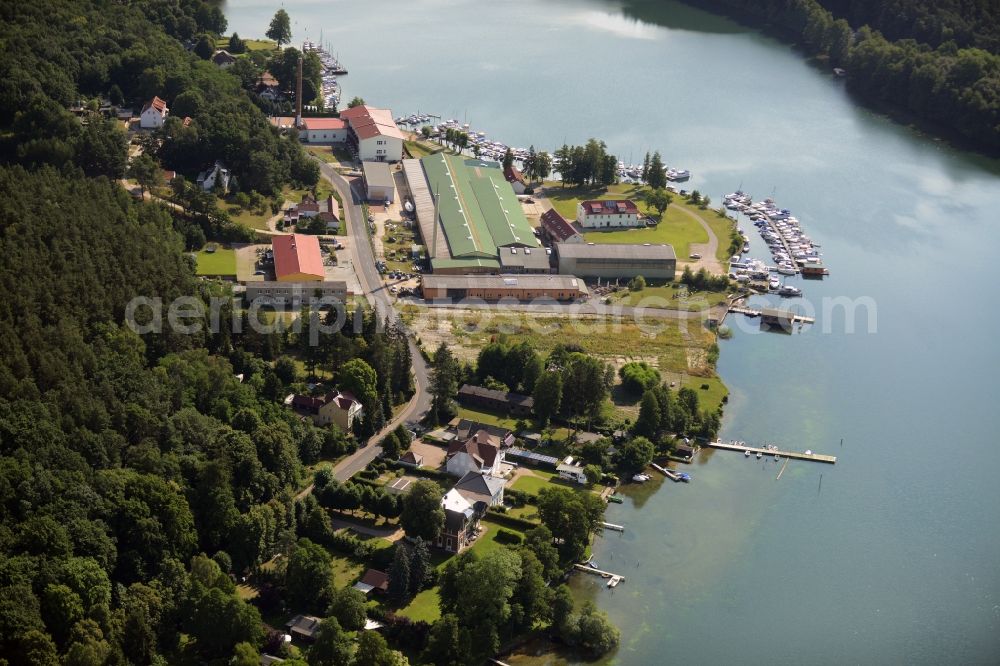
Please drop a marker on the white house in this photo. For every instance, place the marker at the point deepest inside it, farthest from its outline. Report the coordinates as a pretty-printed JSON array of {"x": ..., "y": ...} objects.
[
  {"x": 216, "y": 175},
  {"x": 373, "y": 134},
  {"x": 323, "y": 130},
  {"x": 338, "y": 407},
  {"x": 608, "y": 214},
  {"x": 154, "y": 114},
  {"x": 571, "y": 472},
  {"x": 480, "y": 453},
  {"x": 223, "y": 59},
  {"x": 464, "y": 505}
]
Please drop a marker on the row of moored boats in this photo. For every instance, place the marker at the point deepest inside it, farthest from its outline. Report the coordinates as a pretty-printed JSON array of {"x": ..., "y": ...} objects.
[
  {"x": 331, "y": 68},
  {"x": 790, "y": 247}
]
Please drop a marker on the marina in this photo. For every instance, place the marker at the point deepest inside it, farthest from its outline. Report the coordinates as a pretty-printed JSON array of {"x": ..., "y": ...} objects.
[
  {"x": 771, "y": 450},
  {"x": 791, "y": 249},
  {"x": 331, "y": 70}
]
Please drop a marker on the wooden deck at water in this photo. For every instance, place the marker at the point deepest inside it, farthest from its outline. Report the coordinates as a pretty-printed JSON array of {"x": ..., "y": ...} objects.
[
  {"x": 794, "y": 455},
  {"x": 597, "y": 572}
]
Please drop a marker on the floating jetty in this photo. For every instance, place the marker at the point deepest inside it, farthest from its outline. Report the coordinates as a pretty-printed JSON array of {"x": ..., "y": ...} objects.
[
  {"x": 598, "y": 572},
  {"x": 612, "y": 526},
  {"x": 775, "y": 313},
  {"x": 794, "y": 455},
  {"x": 670, "y": 474}
]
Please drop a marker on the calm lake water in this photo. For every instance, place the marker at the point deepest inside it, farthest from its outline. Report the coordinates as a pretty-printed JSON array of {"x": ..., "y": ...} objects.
[{"x": 891, "y": 555}]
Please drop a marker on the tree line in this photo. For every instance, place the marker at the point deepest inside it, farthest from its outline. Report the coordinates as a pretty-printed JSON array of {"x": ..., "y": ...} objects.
[{"x": 939, "y": 62}]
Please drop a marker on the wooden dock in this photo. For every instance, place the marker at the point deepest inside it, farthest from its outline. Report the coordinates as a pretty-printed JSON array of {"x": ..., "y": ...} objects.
[
  {"x": 669, "y": 473},
  {"x": 597, "y": 572},
  {"x": 794, "y": 455}
]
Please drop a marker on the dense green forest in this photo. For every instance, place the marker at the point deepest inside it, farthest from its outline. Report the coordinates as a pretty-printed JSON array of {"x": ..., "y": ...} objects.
[
  {"x": 142, "y": 475},
  {"x": 932, "y": 60}
]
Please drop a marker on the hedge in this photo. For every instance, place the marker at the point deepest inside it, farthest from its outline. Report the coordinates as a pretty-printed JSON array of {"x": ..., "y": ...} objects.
[
  {"x": 507, "y": 536},
  {"x": 510, "y": 521}
]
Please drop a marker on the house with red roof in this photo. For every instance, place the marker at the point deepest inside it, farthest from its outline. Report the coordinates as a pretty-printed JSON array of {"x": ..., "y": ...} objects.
[
  {"x": 372, "y": 133},
  {"x": 297, "y": 258},
  {"x": 557, "y": 229},
  {"x": 154, "y": 114},
  {"x": 479, "y": 453},
  {"x": 608, "y": 214},
  {"x": 514, "y": 177},
  {"x": 339, "y": 407}
]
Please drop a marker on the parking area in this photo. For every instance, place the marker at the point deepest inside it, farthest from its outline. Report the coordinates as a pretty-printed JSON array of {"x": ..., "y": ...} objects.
[{"x": 432, "y": 454}]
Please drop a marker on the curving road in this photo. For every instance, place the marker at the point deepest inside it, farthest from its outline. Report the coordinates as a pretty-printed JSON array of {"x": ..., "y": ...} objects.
[{"x": 371, "y": 284}]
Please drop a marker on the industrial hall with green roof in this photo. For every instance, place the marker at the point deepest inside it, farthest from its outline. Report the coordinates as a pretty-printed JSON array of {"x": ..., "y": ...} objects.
[{"x": 469, "y": 215}]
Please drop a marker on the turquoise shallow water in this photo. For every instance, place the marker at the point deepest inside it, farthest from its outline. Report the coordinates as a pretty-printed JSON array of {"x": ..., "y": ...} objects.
[{"x": 893, "y": 558}]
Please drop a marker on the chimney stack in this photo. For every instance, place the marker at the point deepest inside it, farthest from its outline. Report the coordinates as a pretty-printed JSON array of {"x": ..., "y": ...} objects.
[{"x": 298, "y": 96}]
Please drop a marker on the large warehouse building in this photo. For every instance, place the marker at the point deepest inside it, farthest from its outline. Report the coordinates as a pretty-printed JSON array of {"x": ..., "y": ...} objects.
[
  {"x": 610, "y": 260},
  {"x": 496, "y": 287},
  {"x": 469, "y": 215}
]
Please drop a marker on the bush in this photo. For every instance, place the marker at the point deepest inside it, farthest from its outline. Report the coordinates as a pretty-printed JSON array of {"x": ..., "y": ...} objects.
[
  {"x": 507, "y": 536},
  {"x": 511, "y": 521},
  {"x": 516, "y": 498}
]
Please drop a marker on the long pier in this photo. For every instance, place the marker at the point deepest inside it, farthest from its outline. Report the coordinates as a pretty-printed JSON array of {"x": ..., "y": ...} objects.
[
  {"x": 795, "y": 455},
  {"x": 597, "y": 572},
  {"x": 669, "y": 473},
  {"x": 793, "y": 317}
]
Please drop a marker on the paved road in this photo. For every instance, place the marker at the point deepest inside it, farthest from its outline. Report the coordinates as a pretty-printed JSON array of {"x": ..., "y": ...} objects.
[{"x": 380, "y": 298}]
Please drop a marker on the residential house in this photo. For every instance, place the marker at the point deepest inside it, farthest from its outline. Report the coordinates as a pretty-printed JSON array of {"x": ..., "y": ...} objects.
[
  {"x": 372, "y": 134},
  {"x": 331, "y": 215},
  {"x": 373, "y": 581},
  {"x": 514, "y": 177},
  {"x": 464, "y": 428},
  {"x": 464, "y": 505},
  {"x": 484, "y": 488},
  {"x": 507, "y": 402},
  {"x": 411, "y": 459},
  {"x": 224, "y": 59},
  {"x": 154, "y": 114},
  {"x": 479, "y": 453},
  {"x": 339, "y": 407},
  {"x": 556, "y": 229},
  {"x": 305, "y": 627},
  {"x": 608, "y": 214},
  {"x": 215, "y": 176},
  {"x": 571, "y": 472}
]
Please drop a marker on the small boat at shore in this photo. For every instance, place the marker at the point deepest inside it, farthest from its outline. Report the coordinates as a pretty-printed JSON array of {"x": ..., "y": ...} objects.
[
  {"x": 746, "y": 453},
  {"x": 617, "y": 499},
  {"x": 614, "y": 581},
  {"x": 640, "y": 478}
]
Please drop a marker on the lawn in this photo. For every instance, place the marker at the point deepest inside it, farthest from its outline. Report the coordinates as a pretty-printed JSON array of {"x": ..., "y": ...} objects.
[
  {"x": 676, "y": 228},
  {"x": 219, "y": 262},
  {"x": 418, "y": 149},
  {"x": 251, "y": 44},
  {"x": 425, "y": 606},
  {"x": 332, "y": 155},
  {"x": 531, "y": 484},
  {"x": 709, "y": 399},
  {"x": 670, "y": 297},
  {"x": 345, "y": 570},
  {"x": 489, "y": 418}
]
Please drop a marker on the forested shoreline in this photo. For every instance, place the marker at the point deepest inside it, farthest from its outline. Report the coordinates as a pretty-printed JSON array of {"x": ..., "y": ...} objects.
[{"x": 933, "y": 62}]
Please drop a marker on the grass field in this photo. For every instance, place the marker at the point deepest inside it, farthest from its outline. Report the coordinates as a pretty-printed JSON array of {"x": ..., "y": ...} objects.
[
  {"x": 220, "y": 262},
  {"x": 489, "y": 418},
  {"x": 425, "y": 606},
  {"x": 418, "y": 149},
  {"x": 711, "y": 398},
  {"x": 252, "y": 44},
  {"x": 673, "y": 345},
  {"x": 332, "y": 155},
  {"x": 676, "y": 228},
  {"x": 676, "y": 297},
  {"x": 531, "y": 484}
]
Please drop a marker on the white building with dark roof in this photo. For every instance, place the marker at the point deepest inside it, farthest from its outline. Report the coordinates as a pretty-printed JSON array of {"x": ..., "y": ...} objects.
[{"x": 608, "y": 214}]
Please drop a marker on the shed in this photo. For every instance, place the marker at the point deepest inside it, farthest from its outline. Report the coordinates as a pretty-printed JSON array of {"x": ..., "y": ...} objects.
[
  {"x": 379, "y": 184},
  {"x": 373, "y": 580}
]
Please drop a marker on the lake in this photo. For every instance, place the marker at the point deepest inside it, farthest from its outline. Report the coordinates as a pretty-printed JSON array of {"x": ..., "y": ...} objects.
[{"x": 890, "y": 556}]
